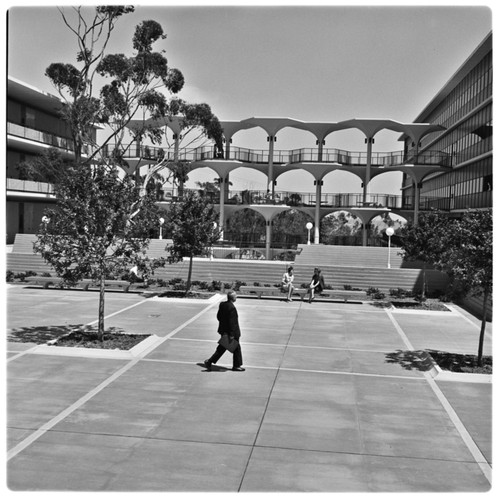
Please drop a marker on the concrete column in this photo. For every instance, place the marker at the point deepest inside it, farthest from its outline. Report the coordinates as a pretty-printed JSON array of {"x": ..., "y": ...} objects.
[
  {"x": 270, "y": 170},
  {"x": 416, "y": 202},
  {"x": 320, "y": 149},
  {"x": 365, "y": 234},
  {"x": 369, "y": 142},
  {"x": 222, "y": 183},
  {"x": 268, "y": 238},
  {"x": 228, "y": 148},
  {"x": 317, "y": 211}
]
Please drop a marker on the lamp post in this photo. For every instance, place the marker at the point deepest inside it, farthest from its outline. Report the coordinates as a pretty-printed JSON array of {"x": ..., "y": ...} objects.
[
  {"x": 309, "y": 227},
  {"x": 212, "y": 247},
  {"x": 162, "y": 220},
  {"x": 389, "y": 231}
]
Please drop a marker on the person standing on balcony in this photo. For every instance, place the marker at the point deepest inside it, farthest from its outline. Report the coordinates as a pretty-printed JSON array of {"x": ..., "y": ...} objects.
[
  {"x": 287, "y": 283},
  {"x": 317, "y": 284}
]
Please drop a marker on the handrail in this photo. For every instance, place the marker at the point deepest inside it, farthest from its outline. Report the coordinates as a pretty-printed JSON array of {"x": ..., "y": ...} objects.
[
  {"x": 294, "y": 156},
  {"x": 17, "y": 130},
  {"x": 306, "y": 199}
]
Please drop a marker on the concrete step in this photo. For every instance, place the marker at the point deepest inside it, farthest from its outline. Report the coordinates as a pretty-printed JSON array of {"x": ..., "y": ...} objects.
[
  {"x": 349, "y": 256},
  {"x": 230, "y": 271}
]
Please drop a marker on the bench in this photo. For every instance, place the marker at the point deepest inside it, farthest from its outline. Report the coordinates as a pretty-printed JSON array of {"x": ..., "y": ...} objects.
[
  {"x": 344, "y": 295},
  {"x": 47, "y": 281},
  {"x": 85, "y": 284},
  {"x": 270, "y": 291}
]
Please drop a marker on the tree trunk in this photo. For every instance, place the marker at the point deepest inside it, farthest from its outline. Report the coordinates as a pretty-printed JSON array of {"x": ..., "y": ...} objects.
[
  {"x": 102, "y": 288},
  {"x": 483, "y": 327},
  {"x": 190, "y": 271},
  {"x": 424, "y": 282}
]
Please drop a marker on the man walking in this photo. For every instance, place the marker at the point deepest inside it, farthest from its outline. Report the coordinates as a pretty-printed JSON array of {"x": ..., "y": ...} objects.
[{"x": 229, "y": 325}]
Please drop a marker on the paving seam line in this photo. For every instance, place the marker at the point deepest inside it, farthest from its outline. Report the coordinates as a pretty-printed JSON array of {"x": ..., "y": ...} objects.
[
  {"x": 302, "y": 370},
  {"x": 267, "y": 402},
  {"x": 77, "y": 404},
  {"x": 455, "y": 419}
]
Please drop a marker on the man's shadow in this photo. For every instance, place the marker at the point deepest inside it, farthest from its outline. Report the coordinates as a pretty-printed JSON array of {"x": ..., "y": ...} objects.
[{"x": 214, "y": 368}]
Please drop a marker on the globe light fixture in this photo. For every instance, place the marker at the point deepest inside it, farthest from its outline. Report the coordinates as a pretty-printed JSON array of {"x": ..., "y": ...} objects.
[
  {"x": 162, "y": 221},
  {"x": 309, "y": 227},
  {"x": 389, "y": 232}
]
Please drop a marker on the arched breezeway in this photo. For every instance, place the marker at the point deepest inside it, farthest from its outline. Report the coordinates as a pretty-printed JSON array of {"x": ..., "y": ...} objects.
[{"x": 319, "y": 162}]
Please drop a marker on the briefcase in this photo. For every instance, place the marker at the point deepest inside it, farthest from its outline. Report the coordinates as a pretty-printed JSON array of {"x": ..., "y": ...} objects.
[{"x": 229, "y": 343}]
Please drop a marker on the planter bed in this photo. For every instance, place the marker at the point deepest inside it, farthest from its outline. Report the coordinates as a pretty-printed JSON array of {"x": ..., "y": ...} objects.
[
  {"x": 428, "y": 305},
  {"x": 461, "y": 363}
]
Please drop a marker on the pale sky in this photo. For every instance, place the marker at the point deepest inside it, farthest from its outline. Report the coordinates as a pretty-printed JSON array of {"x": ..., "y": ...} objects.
[{"x": 313, "y": 63}]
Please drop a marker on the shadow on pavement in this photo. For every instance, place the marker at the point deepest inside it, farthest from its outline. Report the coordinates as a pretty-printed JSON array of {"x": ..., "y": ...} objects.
[
  {"x": 411, "y": 360},
  {"x": 40, "y": 334}
]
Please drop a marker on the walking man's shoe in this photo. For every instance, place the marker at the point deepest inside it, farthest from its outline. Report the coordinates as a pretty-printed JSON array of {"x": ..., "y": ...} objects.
[
  {"x": 237, "y": 369},
  {"x": 208, "y": 365}
]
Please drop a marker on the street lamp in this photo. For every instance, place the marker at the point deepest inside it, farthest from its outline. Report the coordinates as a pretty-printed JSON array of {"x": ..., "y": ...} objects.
[
  {"x": 212, "y": 247},
  {"x": 389, "y": 231},
  {"x": 162, "y": 221},
  {"x": 309, "y": 227}
]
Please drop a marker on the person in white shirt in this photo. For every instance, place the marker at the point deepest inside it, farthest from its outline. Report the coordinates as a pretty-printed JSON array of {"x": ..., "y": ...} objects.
[{"x": 287, "y": 283}]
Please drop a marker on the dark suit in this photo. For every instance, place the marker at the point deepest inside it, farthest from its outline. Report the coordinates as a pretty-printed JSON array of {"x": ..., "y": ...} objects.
[{"x": 228, "y": 323}]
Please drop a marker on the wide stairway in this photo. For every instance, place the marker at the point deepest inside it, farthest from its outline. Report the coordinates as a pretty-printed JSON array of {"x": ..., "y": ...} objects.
[{"x": 358, "y": 267}]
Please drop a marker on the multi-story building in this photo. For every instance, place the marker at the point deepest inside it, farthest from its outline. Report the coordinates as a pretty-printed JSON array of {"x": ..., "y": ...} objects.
[
  {"x": 33, "y": 125},
  {"x": 463, "y": 107}
]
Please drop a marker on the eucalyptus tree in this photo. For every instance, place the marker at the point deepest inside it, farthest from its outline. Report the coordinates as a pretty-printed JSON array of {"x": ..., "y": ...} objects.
[{"x": 102, "y": 222}]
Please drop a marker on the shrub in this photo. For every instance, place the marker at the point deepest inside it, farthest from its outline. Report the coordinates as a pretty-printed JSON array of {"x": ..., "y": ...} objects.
[
  {"x": 256, "y": 283},
  {"x": 228, "y": 286},
  {"x": 215, "y": 286},
  {"x": 238, "y": 284},
  {"x": 46, "y": 274},
  {"x": 347, "y": 287},
  {"x": 10, "y": 276},
  {"x": 400, "y": 293}
]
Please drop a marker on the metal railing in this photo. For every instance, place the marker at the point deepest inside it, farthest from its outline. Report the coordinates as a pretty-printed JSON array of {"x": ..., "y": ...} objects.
[
  {"x": 47, "y": 138},
  {"x": 305, "y": 155}
]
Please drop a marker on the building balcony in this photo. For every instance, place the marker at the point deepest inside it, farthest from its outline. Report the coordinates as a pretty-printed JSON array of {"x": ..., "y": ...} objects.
[
  {"x": 29, "y": 190},
  {"x": 36, "y": 140}
]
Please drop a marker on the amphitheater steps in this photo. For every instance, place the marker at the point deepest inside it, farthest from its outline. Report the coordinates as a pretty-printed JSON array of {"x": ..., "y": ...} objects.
[
  {"x": 363, "y": 275},
  {"x": 348, "y": 256}
]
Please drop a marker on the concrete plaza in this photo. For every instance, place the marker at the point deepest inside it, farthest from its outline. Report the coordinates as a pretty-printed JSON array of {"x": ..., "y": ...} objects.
[{"x": 334, "y": 399}]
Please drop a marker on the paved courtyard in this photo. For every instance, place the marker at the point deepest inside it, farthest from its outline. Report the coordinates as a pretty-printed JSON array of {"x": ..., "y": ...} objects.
[{"x": 333, "y": 399}]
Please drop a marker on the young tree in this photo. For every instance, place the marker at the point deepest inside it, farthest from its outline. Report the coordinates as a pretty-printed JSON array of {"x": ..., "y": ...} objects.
[
  {"x": 99, "y": 229},
  {"x": 463, "y": 248},
  {"x": 192, "y": 224},
  {"x": 102, "y": 221},
  {"x": 423, "y": 241},
  {"x": 467, "y": 257}
]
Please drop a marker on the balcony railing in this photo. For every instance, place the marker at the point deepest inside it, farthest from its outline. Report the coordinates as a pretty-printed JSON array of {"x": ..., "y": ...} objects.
[
  {"x": 39, "y": 136},
  {"x": 305, "y": 155},
  {"x": 29, "y": 186},
  {"x": 328, "y": 200}
]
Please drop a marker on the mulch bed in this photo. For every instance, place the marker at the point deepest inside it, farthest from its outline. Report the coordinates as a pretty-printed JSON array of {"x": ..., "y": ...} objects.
[
  {"x": 462, "y": 363},
  {"x": 427, "y": 305},
  {"x": 111, "y": 340}
]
